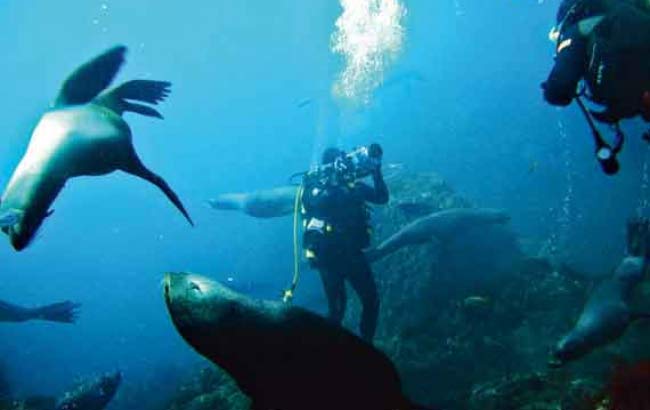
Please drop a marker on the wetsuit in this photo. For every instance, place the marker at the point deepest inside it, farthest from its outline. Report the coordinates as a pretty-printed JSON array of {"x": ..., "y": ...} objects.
[
  {"x": 612, "y": 56},
  {"x": 336, "y": 232}
]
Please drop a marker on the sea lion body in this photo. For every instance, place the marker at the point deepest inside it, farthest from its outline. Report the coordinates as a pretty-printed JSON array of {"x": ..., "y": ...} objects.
[
  {"x": 281, "y": 356},
  {"x": 606, "y": 315},
  {"x": 439, "y": 225},
  {"x": 267, "y": 203},
  {"x": 66, "y": 143}
]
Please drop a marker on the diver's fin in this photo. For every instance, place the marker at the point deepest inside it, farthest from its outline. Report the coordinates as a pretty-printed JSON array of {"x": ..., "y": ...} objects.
[
  {"x": 87, "y": 81},
  {"x": 137, "y": 168},
  {"x": 9, "y": 218},
  {"x": 148, "y": 91}
]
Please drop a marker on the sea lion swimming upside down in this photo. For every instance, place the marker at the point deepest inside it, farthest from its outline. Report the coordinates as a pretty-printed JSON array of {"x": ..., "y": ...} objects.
[{"x": 84, "y": 134}]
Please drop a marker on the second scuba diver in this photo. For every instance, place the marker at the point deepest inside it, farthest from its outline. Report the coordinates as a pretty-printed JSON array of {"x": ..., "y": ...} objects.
[
  {"x": 336, "y": 228},
  {"x": 606, "y": 44}
]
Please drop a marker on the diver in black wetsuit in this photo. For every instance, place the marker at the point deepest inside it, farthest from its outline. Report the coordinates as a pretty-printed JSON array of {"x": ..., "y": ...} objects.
[
  {"x": 606, "y": 44},
  {"x": 63, "y": 312},
  {"x": 336, "y": 230}
]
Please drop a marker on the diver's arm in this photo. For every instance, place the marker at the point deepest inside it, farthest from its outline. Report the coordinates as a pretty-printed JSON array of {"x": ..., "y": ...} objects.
[
  {"x": 570, "y": 66},
  {"x": 63, "y": 312},
  {"x": 378, "y": 194},
  {"x": 13, "y": 313}
]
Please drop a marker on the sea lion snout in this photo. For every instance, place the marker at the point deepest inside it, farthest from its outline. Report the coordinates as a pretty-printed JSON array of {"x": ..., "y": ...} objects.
[
  {"x": 22, "y": 233},
  {"x": 567, "y": 349}
]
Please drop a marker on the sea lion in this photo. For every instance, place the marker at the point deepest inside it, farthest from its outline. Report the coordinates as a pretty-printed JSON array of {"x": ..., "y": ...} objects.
[
  {"x": 82, "y": 135},
  {"x": 267, "y": 203},
  {"x": 281, "y": 356},
  {"x": 606, "y": 314},
  {"x": 439, "y": 225},
  {"x": 94, "y": 394}
]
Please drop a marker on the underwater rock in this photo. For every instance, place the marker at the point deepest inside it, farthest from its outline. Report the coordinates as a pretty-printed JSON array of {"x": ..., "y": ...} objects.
[
  {"x": 209, "y": 389},
  {"x": 471, "y": 324},
  {"x": 534, "y": 391},
  {"x": 627, "y": 389}
]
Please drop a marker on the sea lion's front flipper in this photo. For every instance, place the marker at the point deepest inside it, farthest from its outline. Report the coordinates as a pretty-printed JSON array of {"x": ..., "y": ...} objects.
[
  {"x": 9, "y": 218},
  {"x": 137, "y": 168},
  {"x": 87, "y": 81},
  {"x": 147, "y": 91}
]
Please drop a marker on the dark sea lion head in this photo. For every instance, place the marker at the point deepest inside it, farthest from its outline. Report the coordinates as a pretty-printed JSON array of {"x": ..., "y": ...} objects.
[
  {"x": 569, "y": 348},
  {"x": 22, "y": 233},
  {"x": 109, "y": 383},
  {"x": 630, "y": 270},
  {"x": 203, "y": 310}
]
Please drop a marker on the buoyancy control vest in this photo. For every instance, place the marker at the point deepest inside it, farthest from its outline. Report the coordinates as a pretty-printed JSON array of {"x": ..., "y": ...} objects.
[{"x": 334, "y": 216}]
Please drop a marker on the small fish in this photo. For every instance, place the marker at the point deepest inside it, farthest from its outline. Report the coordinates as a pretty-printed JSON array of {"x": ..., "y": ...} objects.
[
  {"x": 9, "y": 218},
  {"x": 476, "y": 301},
  {"x": 304, "y": 102}
]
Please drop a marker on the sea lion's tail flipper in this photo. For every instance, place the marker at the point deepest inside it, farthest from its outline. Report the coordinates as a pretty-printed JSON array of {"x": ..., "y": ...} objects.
[
  {"x": 137, "y": 168},
  {"x": 87, "y": 81},
  {"x": 147, "y": 91}
]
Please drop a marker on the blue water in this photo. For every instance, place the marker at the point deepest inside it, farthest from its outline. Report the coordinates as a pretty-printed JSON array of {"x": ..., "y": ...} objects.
[{"x": 250, "y": 105}]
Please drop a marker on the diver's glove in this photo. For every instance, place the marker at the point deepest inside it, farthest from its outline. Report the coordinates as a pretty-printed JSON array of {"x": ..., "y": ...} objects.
[
  {"x": 63, "y": 312},
  {"x": 375, "y": 155}
]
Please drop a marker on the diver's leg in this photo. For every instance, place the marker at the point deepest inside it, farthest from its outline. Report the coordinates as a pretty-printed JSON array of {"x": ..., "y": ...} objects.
[
  {"x": 334, "y": 288},
  {"x": 363, "y": 282}
]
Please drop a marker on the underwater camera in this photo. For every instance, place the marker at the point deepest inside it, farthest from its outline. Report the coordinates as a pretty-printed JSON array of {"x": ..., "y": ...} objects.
[
  {"x": 357, "y": 164},
  {"x": 364, "y": 160}
]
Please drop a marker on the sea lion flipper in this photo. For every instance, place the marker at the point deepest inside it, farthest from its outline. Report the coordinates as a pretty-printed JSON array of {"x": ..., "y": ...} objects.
[
  {"x": 87, "y": 81},
  {"x": 147, "y": 91},
  {"x": 137, "y": 168},
  {"x": 9, "y": 218}
]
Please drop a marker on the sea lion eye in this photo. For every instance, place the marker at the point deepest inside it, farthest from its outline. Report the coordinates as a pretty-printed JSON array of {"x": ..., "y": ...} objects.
[{"x": 194, "y": 287}]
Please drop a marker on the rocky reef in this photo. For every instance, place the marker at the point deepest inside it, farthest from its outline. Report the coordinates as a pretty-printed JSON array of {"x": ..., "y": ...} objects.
[{"x": 469, "y": 323}]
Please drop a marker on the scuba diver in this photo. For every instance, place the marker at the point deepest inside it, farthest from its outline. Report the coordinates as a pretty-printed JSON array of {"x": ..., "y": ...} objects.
[
  {"x": 605, "y": 45},
  {"x": 62, "y": 312},
  {"x": 336, "y": 228}
]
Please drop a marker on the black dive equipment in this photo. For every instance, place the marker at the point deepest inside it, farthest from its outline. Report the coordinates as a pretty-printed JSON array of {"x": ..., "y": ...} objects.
[
  {"x": 606, "y": 154},
  {"x": 357, "y": 164}
]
